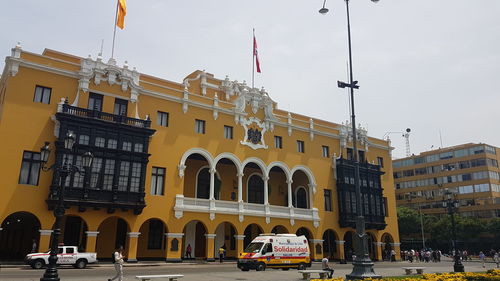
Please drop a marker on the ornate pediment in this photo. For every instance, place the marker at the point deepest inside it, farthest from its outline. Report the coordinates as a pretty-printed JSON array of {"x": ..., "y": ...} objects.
[
  {"x": 247, "y": 96},
  {"x": 108, "y": 72},
  {"x": 345, "y": 134}
]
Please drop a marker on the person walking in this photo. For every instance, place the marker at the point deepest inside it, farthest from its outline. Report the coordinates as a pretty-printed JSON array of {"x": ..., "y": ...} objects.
[
  {"x": 481, "y": 258},
  {"x": 496, "y": 258},
  {"x": 221, "y": 253},
  {"x": 188, "y": 251},
  {"x": 393, "y": 255},
  {"x": 118, "y": 261},
  {"x": 326, "y": 267}
]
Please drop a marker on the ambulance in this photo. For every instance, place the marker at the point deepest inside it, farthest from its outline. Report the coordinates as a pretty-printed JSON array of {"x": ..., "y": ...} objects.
[{"x": 275, "y": 251}]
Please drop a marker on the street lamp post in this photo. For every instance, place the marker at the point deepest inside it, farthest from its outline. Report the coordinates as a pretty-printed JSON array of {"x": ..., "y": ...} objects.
[
  {"x": 363, "y": 266},
  {"x": 64, "y": 170},
  {"x": 410, "y": 197},
  {"x": 451, "y": 206}
]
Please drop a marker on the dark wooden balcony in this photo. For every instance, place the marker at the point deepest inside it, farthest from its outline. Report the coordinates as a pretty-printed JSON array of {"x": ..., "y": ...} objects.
[{"x": 96, "y": 114}]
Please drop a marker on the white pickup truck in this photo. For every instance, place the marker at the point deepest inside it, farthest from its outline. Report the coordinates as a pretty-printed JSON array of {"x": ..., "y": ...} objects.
[{"x": 67, "y": 255}]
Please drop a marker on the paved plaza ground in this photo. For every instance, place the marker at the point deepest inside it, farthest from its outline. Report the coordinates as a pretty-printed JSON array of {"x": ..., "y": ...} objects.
[{"x": 216, "y": 271}]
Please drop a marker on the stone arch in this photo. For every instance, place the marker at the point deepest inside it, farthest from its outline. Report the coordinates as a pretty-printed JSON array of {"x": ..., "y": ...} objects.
[
  {"x": 73, "y": 229},
  {"x": 248, "y": 187},
  {"x": 251, "y": 231},
  {"x": 329, "y": 244},
  {"x": 217, "y": 178},
  {"x": 151, "y": 243},
  {"x": 372, "y": 249},
  {"x": 279, "y": 229},
  {"x": 257, "y": 162},
  {"x": 306, "y": 171},
  {"x": 202, "y": 152},
  {"x": 194, "y": 236},
  {"x": 281, "y": 165},
  {"x": 387, "y": 248},
  {"x": 17, "y": 234},
  {"x": 112, "y": 233},
  {"x": 224, "y": 237},
  {"x": 233, "y": 158},
  {"x": 349, "y": 245},
  {"x": 301, "y": 197}
]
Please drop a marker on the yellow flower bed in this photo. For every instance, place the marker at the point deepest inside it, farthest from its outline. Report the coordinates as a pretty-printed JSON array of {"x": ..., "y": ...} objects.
[{"x": 490, "y": 275}]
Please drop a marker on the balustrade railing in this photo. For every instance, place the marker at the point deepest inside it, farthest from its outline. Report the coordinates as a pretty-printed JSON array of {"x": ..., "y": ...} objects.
[{"x": 90, "y": 113}]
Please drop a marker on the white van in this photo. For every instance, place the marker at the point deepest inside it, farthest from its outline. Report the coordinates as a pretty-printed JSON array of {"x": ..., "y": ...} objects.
[{"x": 276, "y": 251}]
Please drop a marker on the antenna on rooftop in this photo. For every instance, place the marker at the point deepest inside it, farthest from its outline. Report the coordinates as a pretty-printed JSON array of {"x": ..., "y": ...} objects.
[{"x": 406, "y": 135}]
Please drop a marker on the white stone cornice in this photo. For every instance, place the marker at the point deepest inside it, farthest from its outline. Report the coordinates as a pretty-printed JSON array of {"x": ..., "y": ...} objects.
[
  {"x": 45, "y": 232},
  {"x": 174, "y": 235},
  {"x": 210, "y": 236},
  {"x": 339, "y": 242},
  {"x": 133, "y": 234},
  {"x": 239, "y": 237},
  {"x": 92, "y": 233}
]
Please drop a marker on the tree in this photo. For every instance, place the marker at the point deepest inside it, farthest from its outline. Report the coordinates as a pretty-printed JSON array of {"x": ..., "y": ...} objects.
[{"x": 408, "y": 221}]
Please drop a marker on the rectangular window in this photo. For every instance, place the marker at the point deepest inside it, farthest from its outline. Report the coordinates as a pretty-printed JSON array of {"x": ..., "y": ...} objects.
[
  {"x": 278, "y": 142},
  {"x": 138, "y": 147},
  {"x": 199, "y": 126},
  {"x": 99, "y": 141},
  {"x": 328, "y": 200},
  {"x": 109, "y": 173},
  {"x": 95, "y": 102},
  {"x": 380, "y": 161},
  {"x": 300, "y": 146},
  {"x": 157, "y": 181},
  {"x": 228, "y": 132},
  {"x": 135, "y": 177},
  {"x": 124, "y": 175},
  {"x": 30, "y": 168},
  {"x": 162, "y": 118},
  {"x": 95, "y": 172},
  {"x": 350, "y": 155},
  {"x": 361, "y": 156},
  {"x": 120, "y": 107},
  {"x": 127, "y": 146},
  {"x": 83, "y": 140},
  {"x": 42, "y": 94},
  {"x": 112, "y": 143},
  {"x": 326, "y": 151}
]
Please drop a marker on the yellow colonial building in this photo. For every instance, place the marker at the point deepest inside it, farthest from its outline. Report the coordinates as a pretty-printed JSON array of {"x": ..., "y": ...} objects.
[{"x": 201, "y": 164}]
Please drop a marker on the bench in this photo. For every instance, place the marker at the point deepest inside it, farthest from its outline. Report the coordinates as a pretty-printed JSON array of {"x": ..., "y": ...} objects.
[
  {"x": 409, "y": 270},
  {"x": 171, "y": 277},
  {"x": 306, "y": 274}
]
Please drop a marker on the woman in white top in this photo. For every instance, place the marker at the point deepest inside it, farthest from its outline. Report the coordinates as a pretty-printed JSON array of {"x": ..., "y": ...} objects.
[{"x": 118, "y": 261}]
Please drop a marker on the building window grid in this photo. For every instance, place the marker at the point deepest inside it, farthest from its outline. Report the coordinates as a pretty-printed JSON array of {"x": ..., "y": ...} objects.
[
  {"x": 278, "y": 142},
  {"x": 200, "y": 126},
  {"x": 326, "y": 151},
  {"x": 228, "y": 132},
  {"x": 42, "y": 94},
  {"x": 300, "y": 146},
  {"x": 157, "y": 181},
  {"x": 121, "y": 106},
  {"x": 30, "y": 168},
  {"x": 162, "y": 119}
]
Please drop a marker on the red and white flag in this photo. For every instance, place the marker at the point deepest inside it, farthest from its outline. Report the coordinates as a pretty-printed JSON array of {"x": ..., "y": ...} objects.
[{"x": 256, "y": 54}]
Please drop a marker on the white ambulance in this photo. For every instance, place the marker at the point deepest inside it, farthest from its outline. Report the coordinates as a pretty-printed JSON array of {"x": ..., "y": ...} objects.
[{"x": 276, "y": 251}]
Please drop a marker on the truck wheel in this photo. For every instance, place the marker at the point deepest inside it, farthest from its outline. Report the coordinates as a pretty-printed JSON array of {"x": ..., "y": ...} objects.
[
  {"x": 301, "y": 266},
  {"x": 37, "y": 264},
  {"x": 261, "y": 267},
  {"x": 81, "y": 263}
]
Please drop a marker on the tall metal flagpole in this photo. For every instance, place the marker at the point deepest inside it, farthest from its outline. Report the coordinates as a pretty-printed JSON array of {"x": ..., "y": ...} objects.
[
  {"x": 114, "y": 32},
  {"x": 253, "y": 55}
]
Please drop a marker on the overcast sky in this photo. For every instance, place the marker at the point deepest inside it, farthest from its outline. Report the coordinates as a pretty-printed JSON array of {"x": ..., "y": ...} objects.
[{"x": 429, "y": 65}]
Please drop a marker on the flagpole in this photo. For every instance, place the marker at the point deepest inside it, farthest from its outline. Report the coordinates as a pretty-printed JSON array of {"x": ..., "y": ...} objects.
[
  {"x": 253, "y": 56},
  {"x": 114, "y": 32}
]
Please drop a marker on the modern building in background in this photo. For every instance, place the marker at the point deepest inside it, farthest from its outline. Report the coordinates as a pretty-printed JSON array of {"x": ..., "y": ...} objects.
[
  {"x": 205, "y": 163},
  {"x": 470, "y": 171}
]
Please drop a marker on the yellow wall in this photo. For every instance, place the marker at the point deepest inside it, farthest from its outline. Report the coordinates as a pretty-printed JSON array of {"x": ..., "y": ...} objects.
[{"x": 25, "y": 125}]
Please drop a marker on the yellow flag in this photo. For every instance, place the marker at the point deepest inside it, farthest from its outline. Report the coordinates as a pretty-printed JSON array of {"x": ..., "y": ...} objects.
[{"x": 122, "y": 11}]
